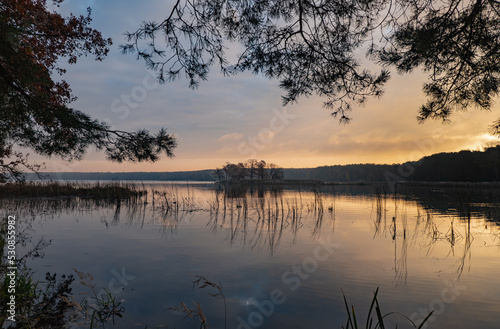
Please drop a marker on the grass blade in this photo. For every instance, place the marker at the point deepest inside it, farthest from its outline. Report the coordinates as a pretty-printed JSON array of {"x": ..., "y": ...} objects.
[
  {"x": 368, "y": 318},
  {"x": 354, "y": 318},
  {"x": 379, "y": 315},
  {"x": 425, "y": 320},
  {"x": 349, "y": 320}
]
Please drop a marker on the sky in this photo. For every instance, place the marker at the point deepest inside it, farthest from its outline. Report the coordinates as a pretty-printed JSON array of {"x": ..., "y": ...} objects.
[{"x": 233, "y": 119}]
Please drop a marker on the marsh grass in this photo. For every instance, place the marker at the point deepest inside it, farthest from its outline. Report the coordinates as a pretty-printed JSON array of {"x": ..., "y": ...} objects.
[
  {"x": 51, "y": 189},
  {"x": 463, "y": 199},
  {"x": 196, "y": 312},
  {"x": 430, "y": 226},
  {"x": 170, "y": 199},
  {"x": 48, "y": 303},
  {"x": 374, "y": 318},
  {"x": 96, "y": 309},
  {"x": 38, "y": 303},
  {"x": 259, "y": 220}
]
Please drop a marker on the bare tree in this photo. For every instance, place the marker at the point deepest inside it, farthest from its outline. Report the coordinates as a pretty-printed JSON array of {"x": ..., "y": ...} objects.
[
  {"x": 261, "y": 170},
  {"x": 275, "y": 172},
  {"x": 251, "y": 165}
]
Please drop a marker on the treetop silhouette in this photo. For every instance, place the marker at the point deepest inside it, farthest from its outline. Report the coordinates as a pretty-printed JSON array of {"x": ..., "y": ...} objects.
[
  {"x": 35, "y": 110},
  {"x": 310, "y": 47}
]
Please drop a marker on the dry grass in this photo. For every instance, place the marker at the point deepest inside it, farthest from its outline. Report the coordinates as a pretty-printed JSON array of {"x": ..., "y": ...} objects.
[{"x": 69, "y": 189}]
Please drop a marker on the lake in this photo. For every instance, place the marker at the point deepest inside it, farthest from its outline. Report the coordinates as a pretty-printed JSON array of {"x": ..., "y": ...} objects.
[{"x": 284, "y": 258}]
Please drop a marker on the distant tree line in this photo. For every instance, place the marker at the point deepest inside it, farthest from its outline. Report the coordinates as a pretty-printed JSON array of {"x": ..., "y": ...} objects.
[
  {"x": 343, "y": 173},
  {"x": 251, "y": 169},
  {"x": 463, "y": 166},
  {"x": 198, "y": 175}
]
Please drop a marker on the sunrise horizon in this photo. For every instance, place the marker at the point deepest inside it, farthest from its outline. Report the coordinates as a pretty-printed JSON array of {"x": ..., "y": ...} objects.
[{"x": 236, "y": 118}]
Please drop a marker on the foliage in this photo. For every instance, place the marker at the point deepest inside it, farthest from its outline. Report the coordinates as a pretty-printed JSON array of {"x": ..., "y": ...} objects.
[
  {"x": 312, "y": 47},
  {"x": 99, "y": 190},
  {"x": 197, "y": 312},
  {"x": 308, "y": 47},
  {"x": 35, "y": 108},
  {"x": 251, "y": 169},
  {"x": 38, "y": 304},
  {"x": 98, "y": 308},
  {"x": 50, "y": 303},
  {"x": 463, "y": 166},
  {"x": 377, "y": 320},
  {"x": 469, "y": 166},
  {"x": 14, "y": 163},
  {"x": 343, "y": 173},
  {"x": 372, "y": 321},
  {"x": 457, "y": 43}
]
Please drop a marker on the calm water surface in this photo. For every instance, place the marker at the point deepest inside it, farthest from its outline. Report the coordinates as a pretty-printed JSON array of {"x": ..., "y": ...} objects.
[{"x": 284, "y": 258}]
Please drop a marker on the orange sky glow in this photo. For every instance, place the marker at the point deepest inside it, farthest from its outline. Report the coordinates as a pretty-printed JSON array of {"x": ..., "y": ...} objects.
[{"x": 237, "y": 118}]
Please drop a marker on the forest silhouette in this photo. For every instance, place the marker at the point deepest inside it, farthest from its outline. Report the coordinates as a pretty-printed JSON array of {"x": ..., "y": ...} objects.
[{"x": 463, "y": 166}]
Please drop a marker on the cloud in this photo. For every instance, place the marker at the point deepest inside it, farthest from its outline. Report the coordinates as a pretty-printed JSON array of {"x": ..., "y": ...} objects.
[
  {"x": 230, "y": 137},
  {"x": 213, "y": 121}
]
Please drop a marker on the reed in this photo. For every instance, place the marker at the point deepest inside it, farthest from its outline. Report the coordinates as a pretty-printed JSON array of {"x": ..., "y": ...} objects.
[
  {"x": 98, "y": 308},
  {"x": 97, "y": 190},
  {"x": 39, "y": 303},
  {"x": 374, "y": 318},
  {"x": 197, "y": 312}
]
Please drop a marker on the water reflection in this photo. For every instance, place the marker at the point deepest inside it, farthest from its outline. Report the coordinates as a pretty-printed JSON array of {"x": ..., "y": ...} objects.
[
  {"x": 397, "y": 241},
  {"x": 259, "y": 219}
]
